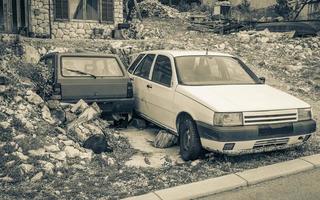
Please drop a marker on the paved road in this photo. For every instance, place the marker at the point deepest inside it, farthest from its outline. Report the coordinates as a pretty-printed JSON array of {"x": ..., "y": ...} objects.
[{"x": 295, "y": 187}]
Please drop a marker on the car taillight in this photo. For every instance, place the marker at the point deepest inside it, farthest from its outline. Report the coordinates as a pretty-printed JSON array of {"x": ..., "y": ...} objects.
[
  {"x": 56, "y": 94},
  {"x": 129, "y": 90},
  {"x": 57, "y": 89}
]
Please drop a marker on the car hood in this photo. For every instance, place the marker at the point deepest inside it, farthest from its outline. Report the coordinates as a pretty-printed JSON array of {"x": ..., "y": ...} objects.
[{"x": 241, "y": 98}]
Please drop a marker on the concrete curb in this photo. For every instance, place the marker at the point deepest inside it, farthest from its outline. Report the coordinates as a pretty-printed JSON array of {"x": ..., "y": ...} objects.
[{"x": 233, "y": 181}]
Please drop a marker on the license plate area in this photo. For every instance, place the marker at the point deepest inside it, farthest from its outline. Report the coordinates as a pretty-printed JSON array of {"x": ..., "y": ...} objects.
[{"x": 275, "y": 129}]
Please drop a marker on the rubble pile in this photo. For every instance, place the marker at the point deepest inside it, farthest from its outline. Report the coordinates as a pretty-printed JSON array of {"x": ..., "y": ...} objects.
[
  {"x": 46, "y": 138},
  {"x": 296, "y": 59},
  {"x": 154, "y": 8}
]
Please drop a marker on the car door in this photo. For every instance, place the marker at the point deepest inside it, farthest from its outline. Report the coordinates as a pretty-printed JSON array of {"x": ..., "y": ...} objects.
[
  {"x": 160, "y": 93},
  {"x": 140, "y": 80}
]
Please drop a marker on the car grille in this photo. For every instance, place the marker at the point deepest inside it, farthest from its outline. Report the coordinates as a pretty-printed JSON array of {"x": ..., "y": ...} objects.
[
  {"x": 270, "y": 117},
  {"x": 271, "y": 142}
]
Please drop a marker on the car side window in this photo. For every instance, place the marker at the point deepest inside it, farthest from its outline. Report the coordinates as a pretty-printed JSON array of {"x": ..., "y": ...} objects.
[
  {"x": 162, "y": 72},
  {"x": 135, "y": 63},
  {"x": 143, "y": 69}
]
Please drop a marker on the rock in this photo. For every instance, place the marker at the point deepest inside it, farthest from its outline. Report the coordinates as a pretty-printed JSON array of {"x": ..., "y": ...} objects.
[
  {"x": 38, "y": 152},
  {"x": 80, "y": 106},
  {"x": 165, "y": 139},
  {"x": 53, "y": 104},
  {"x": 243, "y": 37},
  {"x": 52, "y": 148},
  {"x": 6, "y": 179},
  {"x": 88, "y": 114},
  {"x": 110, "y": 161},
  {"x": 68, "y": 142},
  {"x": 4, "y": 89},
  {"x": 98, "y": 144},
  {"x": 86, "y": 155},
  {"x": 19, "y": 137},
  {"x": 33, "y": 98},
  {"x": 48, "y": 168},
  {"x": 195, "y": 163},
  {"x": 31, "y": 55},
  {"x": 26, "y": 168},
  {"x": 59, "y": 115},
  {"x": 20, "y": 155},
  {"x": 81, "y": 133},
  {"x": 59, "y": 156},
  {"x": 70, "y": 117},
  {"x": 10, "y": 163},
  {"x": 139, "y": 123},
  {"x": 60, "y": 130},
  {"x": 71, "y": 152},
  {"x": 5, "y": 125},
  {"x": 37, "y": 177},
  {"x": 46, "y": 115}
]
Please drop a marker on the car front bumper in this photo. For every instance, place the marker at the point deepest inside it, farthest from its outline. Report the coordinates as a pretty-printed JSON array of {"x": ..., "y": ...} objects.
[{"x": 254, "y": 138}]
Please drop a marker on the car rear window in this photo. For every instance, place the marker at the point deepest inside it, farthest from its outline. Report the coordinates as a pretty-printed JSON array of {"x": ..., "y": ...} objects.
[{"x": 90, "y": 66}]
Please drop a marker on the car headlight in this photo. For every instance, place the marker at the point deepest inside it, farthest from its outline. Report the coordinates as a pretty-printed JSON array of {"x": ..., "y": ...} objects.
[
  {"x": 227, "y": 119},
  {"x": 304, "y": 114}
]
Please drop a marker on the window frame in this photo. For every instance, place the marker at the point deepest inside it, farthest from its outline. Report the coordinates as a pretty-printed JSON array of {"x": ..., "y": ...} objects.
[
  {"x": 99, "y": 20},
  {"x": 153, "y": 69},
  {"x": 131, "y": 65}
]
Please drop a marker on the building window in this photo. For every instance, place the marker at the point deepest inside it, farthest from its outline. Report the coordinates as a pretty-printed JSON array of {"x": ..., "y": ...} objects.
[
  {"x": 76, "y": 9},
  {"x": 85, "y": 10},
  {"x": 61, "y": 9},
  {"x": 107, "y": 10},
  {"x": 92, "y": 10}
]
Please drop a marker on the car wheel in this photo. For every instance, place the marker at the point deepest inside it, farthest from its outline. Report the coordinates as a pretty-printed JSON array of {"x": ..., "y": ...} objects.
[{"x": 190, "y": 144}]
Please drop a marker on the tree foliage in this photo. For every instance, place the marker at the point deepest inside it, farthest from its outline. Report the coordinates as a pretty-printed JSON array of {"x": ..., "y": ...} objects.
[
  {"x": 283, "y": 9},
  {"x": 244, "y": 6}
]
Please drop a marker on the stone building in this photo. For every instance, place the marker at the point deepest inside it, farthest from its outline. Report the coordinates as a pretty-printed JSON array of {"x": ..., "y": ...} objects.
[{"x": 64, "y": 19}]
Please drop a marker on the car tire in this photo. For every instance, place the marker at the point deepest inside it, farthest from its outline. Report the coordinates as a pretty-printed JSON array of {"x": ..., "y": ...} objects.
[{"x": 190, "y": 144}]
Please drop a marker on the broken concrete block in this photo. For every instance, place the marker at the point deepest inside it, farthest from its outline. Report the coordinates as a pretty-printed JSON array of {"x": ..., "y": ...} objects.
[
  {"x": 139, "y": 123},
  {"x": 46, "y": 115},
  {"x": 37, "y": 177},
  {"x": 88, "y": 114},
  {"x": 80, "y": 106},
  {"x": 165, "y": 139}
]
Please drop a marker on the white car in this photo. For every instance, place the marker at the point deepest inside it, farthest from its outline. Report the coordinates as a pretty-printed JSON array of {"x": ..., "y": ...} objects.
[{"x": 214, "y": 101}]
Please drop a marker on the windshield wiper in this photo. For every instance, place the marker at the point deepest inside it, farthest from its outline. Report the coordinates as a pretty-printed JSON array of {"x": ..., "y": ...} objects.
[{"x": 81, "y": 72}]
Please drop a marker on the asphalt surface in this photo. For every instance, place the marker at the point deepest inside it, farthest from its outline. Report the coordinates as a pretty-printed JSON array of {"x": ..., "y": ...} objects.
[{"x": 301, "y": 186}]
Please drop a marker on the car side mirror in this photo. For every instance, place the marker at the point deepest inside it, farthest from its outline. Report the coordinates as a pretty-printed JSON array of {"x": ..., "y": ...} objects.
[{"x": 262, "y": 80}]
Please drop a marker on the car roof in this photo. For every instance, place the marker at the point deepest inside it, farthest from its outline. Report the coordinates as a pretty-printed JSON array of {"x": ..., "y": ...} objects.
[
  {"x": 177, "y": 53},
  {"x": 81, "y": 54}
]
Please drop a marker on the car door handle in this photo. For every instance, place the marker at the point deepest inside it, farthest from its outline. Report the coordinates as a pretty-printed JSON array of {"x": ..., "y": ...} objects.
[{"x": 149, "y": 86}]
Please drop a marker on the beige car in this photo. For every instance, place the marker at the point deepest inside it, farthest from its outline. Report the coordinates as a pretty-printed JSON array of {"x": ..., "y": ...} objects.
[{"x": 214, "y": 101}]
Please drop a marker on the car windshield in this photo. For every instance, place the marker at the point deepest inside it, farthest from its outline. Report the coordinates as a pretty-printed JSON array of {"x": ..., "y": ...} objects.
[
  {"x": 212, "y": 70},
  {"x": 90, "y": 66}
]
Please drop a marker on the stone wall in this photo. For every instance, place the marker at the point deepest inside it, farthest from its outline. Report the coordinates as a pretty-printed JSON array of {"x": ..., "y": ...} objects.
[{"x": 72, "y": 29}]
